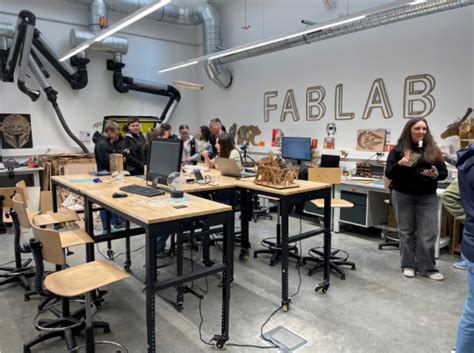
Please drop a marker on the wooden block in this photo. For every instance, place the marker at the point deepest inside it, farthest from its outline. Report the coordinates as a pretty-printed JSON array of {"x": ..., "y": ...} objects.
[{"x": 325, "y": 175}]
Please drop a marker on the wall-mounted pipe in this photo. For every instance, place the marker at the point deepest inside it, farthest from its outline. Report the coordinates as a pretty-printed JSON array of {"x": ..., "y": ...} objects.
[
  {"x": 124, "y": 84},
  {"x": 203, "y": 13}
]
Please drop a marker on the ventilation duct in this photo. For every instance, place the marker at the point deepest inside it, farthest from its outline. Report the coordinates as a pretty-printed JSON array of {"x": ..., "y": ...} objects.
[
  {"x": 203, "y": 13},
  {"x": 376, "y": 17}
]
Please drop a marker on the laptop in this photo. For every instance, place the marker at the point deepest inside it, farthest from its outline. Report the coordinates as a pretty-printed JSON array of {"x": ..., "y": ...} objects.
[{"x": 229, "y": 167}]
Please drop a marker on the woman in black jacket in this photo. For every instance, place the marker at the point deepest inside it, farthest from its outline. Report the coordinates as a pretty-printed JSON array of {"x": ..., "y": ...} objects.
[{"x": 415, "y": 165}]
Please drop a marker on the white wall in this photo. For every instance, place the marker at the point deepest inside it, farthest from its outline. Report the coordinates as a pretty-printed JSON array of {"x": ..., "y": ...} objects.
[
  {"x": 151, "y": 45},
  {"x": 439, "y": 44}
]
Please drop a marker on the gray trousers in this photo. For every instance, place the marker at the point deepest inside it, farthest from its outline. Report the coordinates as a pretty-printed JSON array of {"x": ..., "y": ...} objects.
[{"x": 417, "y": 219}]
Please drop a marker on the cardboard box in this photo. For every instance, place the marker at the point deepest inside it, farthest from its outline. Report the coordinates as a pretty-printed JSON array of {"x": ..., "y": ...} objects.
[{"x": 116, "y": 163}]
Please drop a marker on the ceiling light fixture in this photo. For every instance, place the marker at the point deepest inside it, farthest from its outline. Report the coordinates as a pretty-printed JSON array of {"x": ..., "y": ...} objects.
[
  {"x": 261, "y": 43},
  {"x": 179, "y": 66},
  {"x": 133, "y": 17}
]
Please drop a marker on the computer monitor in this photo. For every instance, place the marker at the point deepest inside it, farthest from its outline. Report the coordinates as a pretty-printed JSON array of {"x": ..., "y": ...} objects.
[
  {"x": 164, "y": 158},
  {"x": 146, "y": 122},
  {"x": 330, "y": 161},
  {"x": 298, "y": 148}
]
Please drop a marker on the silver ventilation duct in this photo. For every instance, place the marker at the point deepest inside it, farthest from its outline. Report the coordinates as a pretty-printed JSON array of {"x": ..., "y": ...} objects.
[
  {"x": 114, "y": 44},
  {"x": 375, "y": 17},
  {"x": 203, "y": 13},
  {"x": 6, "y": 32}
]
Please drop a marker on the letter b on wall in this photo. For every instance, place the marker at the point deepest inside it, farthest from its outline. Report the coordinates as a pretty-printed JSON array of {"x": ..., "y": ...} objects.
[{"x": 418, "y": 101}]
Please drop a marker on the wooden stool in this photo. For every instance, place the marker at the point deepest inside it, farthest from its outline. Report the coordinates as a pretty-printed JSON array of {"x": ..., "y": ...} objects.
[
  {"x": 334, "y": 261},
  {"x": 74, "y": 281}
]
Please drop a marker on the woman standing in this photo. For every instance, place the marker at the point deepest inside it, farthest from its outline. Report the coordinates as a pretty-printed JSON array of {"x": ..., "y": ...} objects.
[
  {"x": 414, "y": 166},
  {"x": 225, "y": 149}
]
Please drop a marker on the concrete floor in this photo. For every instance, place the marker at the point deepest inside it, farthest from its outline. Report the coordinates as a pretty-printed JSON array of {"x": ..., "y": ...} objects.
[{"x": 375, "y": 309}]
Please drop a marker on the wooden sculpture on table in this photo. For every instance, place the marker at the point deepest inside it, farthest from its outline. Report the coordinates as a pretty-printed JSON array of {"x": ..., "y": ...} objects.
[
  {"x": 276, "y": 173},
  {"x": 464, "y": 128}
]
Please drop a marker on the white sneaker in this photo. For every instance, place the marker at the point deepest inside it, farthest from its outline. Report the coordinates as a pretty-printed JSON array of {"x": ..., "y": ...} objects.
[
  {"x": 409, "y": 272},
  {"x": 436, "y": 276}
]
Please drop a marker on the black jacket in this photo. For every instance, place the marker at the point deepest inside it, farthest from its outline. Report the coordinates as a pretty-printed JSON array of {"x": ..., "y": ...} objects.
[
  {"x": 409, "y": 180},
  {"x": 136, "y": 159},
  {"x": 465, "y": 166},
  {"x": 103, "y": 148}
]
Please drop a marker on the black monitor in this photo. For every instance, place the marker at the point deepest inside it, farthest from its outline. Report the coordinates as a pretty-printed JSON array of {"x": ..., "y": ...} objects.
[
  {"x": 298, "y": 148},
  {"x": 330, "y": 161},
  {"x": 164, "y": 158}
]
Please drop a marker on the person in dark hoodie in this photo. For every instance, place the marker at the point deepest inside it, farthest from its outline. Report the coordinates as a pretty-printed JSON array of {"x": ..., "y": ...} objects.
[
  {"x": 134, "y": 145},
  {"x": 415, "y": 165},
  {"x": 465, "y": 165},
  {"x": 105, "y": 144}
]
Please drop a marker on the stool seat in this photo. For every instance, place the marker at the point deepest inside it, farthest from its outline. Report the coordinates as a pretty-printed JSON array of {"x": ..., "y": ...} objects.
[
  {"x": 63, "y": 215},
  {"x": 74, "y": 237},
  {"x": 335, "y": 203},
  {"x": 83, "y": 278}
]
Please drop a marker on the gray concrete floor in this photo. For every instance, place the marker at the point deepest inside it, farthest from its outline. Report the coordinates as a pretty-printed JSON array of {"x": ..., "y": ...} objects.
[{"x": 375, "y": 309}]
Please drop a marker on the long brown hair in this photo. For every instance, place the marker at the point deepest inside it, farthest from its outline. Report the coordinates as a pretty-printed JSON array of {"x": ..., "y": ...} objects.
[
  {"x": 432, "y": 152},
  {"x": 226, "y": 145}
]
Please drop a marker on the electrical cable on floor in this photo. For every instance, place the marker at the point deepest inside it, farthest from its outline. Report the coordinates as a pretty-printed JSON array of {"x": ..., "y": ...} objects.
[
  {"x": 9, "y": 262},
  {"x": 273, "y": 346},
  {"x": 116, "y": 256}
]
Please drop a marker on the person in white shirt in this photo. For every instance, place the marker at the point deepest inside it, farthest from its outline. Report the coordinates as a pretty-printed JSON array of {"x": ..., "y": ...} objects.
[
  {"x": 225, "y": 149},
  {"x": 190, "y": 149}
]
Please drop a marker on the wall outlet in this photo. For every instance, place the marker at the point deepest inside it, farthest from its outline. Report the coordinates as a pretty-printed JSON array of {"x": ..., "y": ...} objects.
[{"x": 85, "y": 136}]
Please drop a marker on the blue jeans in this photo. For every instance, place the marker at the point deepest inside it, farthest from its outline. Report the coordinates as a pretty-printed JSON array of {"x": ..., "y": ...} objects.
[
  {"x": 115, "y": 219},
  {"x": 161, "y": 243},
  {"x": 465, "y": 336}
]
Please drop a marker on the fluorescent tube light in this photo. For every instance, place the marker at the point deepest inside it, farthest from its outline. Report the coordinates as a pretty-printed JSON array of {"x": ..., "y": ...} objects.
[
  {"x": 259, "y": 44},
  {"x": 416, "y": 2},
  {"x": 139, "y": 14},
  {"x": 194, "y": 62},
  {"x": 279, "y": 39},
  {"x": 135, "y": 16},
  {"x": 74, "y": 51}
]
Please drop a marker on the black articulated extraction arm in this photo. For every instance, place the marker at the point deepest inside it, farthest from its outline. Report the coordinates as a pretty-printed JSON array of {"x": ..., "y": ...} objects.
[
  {"x": 28, "y": 42},
  {"x": 124, "y": 84}
]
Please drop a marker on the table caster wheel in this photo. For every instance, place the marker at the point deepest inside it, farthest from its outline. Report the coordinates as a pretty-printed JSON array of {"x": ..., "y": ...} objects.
[
  {"x": 322, "y": 288},
  {"x": 285, "y": 307},
  {"x": 127, "y": 265},
  {"x": 220, "y": 344},
  {"x": 353, "y": 268},
  {"x": 110, "y": 254}
]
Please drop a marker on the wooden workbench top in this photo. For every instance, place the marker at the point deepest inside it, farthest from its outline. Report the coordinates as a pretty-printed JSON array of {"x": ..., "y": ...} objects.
[
  {"x": 84, "y": 182},
  {"x": 157, "y": 209}
]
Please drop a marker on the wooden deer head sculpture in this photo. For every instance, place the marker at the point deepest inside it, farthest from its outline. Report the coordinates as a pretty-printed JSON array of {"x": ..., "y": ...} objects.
[{"x": 453, "y": 128}]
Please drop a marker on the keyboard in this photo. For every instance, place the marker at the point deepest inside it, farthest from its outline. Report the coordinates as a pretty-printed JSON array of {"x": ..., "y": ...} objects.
[{"x": 142, "y": 190}]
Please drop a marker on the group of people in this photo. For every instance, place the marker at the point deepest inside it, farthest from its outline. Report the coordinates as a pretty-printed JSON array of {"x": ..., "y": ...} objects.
[
  {"x": 210, "y": 143},
  {"x": 414, "y": 167}
]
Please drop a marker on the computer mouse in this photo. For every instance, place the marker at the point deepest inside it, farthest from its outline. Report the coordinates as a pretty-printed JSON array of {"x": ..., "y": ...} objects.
[{"x": 119, "y": 194}]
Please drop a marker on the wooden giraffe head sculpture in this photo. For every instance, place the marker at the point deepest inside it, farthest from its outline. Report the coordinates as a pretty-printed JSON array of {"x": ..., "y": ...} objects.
[{"x": 453, "y": 128}]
